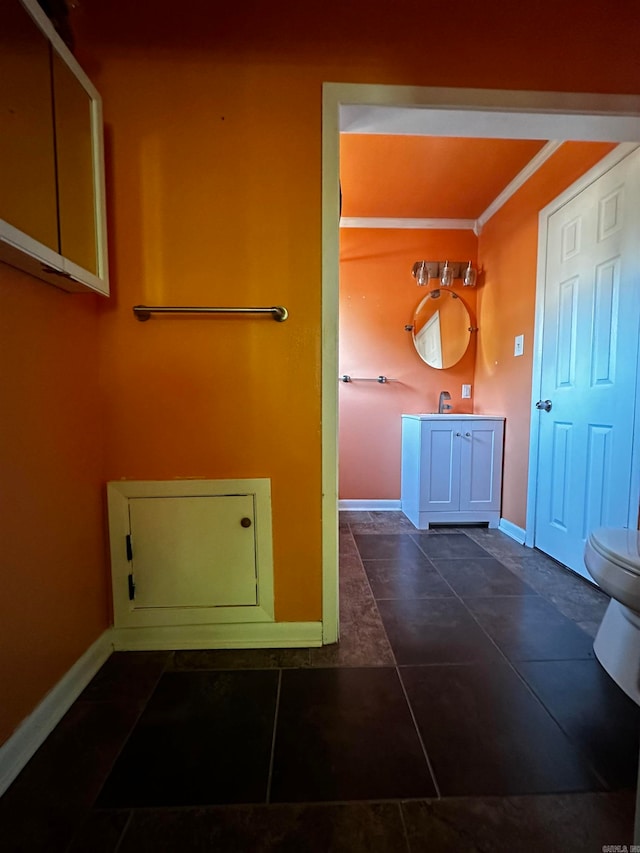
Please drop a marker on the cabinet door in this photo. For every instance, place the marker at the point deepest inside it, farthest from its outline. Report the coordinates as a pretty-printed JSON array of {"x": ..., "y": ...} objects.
[
  {"x": 480, "y": 465},
  {"x": 440, "y": 466},
  {"x": 193, "y": 552},
  {"x": 27, "y": 158},
  {"x": 75, "y": 167}
]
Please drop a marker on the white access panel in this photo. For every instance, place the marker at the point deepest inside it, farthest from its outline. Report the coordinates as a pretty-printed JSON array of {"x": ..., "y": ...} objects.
[{"x": 193, "y": 551}]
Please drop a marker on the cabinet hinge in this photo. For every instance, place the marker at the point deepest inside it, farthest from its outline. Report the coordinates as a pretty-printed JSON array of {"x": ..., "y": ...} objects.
[
  {"x": 129, "y": 548},
  {"x": 52, "y": 271},
  {"x": 132, "y": 587}
]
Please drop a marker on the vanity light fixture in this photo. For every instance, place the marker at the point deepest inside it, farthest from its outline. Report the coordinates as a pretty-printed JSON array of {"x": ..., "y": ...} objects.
[{"x": 445, "y": 272}]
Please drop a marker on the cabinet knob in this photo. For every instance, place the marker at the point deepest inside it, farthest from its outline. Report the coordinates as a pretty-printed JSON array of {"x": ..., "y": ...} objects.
[
  {"x": 468, "y": 434},
  {"x": 246, "y": 522},
  {"x": 458, "y": 434}
]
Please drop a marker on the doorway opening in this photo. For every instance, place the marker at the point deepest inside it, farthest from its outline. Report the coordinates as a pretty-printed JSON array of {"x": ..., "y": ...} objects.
[{"x": 435, "y": 112}]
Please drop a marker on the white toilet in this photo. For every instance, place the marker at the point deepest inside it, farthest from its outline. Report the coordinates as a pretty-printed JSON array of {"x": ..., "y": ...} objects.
[{"x": 612, "y": 557}]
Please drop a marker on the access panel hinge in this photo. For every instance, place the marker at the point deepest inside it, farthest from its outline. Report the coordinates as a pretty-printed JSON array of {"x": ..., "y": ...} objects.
[{"x": 132, "y": 586}]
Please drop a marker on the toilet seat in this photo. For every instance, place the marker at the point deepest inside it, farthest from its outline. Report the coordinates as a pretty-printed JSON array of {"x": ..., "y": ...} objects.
[
  {"x": 619, "y": 546},
  {"x": 612, "y": 557}
]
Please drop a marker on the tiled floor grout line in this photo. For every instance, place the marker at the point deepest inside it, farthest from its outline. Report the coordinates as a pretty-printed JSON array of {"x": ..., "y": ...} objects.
[
  {"x": 417, "y": 728},
  {"x": 273, "y": 738},
  {"x": 125, "y": 741},
  {"x": 404, "y": 827},
  {"x": 124, "y": 831}
]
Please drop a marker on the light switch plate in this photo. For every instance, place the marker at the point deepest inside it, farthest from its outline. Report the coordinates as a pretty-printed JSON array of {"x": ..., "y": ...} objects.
[
  {"x": 518, "y": 347},
  {"x": 466, "y": 392}
]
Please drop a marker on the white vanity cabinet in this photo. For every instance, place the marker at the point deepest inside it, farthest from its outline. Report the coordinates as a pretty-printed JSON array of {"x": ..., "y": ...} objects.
[{"x": 451, "y": 469}]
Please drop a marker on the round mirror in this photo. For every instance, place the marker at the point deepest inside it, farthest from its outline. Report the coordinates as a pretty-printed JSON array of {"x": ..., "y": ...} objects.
[{"x": 441, "y": 328}]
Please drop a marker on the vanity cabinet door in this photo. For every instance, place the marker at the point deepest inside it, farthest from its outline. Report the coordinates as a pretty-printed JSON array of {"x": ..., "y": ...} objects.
[
  {"x": 193, "y": 552},
  {"x": 440, "y": 466},
  {"x": 480, "y": 465}
]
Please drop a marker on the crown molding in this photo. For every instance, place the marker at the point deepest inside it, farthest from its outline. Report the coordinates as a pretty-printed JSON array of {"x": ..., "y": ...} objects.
[
  {"x": 520, "y": 179},
  {"x": 391, "y": 222}
]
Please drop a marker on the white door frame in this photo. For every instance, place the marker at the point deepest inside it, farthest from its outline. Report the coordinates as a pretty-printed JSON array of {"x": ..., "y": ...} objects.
[
  {"x": 581, "y": 184},
  {"x": 438, "y": 112}
]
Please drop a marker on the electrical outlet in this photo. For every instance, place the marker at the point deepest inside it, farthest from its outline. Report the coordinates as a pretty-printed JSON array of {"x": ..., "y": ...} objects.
[
  {"x": 466, "y": 392},
  {"x": 518, "y": 347}
]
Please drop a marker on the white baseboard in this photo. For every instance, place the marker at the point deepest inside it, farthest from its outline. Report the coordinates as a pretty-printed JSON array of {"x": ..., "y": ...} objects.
[
  {"x": 259, "y": 635},
  {"x": 371, "y": 506},
  {"x": 512, "y": 530},
  {"x": 34, "y": 730}
]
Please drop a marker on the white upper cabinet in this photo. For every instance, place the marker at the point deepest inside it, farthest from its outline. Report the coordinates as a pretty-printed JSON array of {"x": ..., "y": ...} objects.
[{"x": 52, "y": 200}]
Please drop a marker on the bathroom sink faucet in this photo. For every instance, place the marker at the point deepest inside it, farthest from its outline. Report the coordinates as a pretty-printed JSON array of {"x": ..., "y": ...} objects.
[{"x": 442, "y": 406}]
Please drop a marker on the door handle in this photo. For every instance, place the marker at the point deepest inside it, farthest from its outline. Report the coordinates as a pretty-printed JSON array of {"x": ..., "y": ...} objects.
[{"x": 544, "y": 405}]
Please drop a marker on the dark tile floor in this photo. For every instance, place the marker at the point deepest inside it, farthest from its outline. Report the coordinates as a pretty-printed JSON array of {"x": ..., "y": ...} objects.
[{"x": 462, "y": 710}]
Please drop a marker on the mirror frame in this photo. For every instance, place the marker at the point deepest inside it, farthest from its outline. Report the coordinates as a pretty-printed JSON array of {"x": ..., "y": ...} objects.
[{"x": 460, "y": 350}]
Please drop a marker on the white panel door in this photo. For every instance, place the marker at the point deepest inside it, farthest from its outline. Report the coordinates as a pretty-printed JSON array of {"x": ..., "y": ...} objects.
[
  {"x": 429, "y": 341},
  {"x": 589, "y": 358},
  {"x": 193, "y": 551}
]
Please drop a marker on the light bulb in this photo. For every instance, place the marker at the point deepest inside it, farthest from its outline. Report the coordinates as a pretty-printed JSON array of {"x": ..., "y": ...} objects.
[
  {"x": 420, "y": 272},
  {"x": 446, "y": 276},
  {"x": 470, "y": 276}
]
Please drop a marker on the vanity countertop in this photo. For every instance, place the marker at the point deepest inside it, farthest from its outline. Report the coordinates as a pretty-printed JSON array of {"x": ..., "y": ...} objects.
[{"x": 452, "y": 416}]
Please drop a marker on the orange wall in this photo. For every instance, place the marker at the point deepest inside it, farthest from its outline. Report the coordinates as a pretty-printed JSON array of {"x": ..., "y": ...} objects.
[
  {"x": 507, "y": 254},
  {"x": 54, "y": 600},
  {"x": 378, "y": 297},
  {"x": 204, "y": 196}
]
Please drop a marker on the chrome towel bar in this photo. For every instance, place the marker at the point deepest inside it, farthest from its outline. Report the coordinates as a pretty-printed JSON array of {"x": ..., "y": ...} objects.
[
  {"x": 381, "y": 379},
  {"x": 144, "y": 312}
]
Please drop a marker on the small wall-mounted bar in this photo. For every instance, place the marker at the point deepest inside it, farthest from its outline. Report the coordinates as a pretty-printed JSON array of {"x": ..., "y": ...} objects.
[
  {"x": 381, "y": 379},
  {"x": 144, "y": 312}
]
